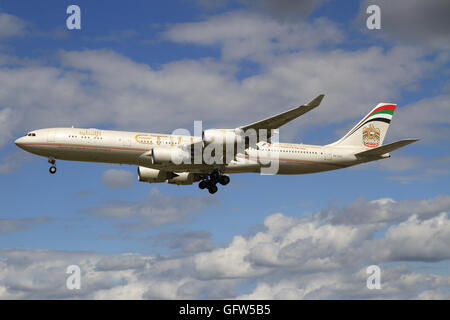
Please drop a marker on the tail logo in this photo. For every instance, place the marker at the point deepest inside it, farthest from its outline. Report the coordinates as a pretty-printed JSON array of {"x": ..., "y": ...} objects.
[{"x": 371, "y": 136}]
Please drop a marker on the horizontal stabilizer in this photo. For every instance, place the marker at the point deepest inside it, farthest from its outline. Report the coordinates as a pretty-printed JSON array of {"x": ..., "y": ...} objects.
[{"x": 385, "y": 149}]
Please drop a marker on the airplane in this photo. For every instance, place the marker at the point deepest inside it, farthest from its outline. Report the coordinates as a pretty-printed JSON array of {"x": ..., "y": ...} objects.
[{"x": 157, "y": 156}]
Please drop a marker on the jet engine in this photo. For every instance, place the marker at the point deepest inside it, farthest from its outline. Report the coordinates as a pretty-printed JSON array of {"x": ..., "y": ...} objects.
[
  {"x": 184, "y": 178},
  {"x": 153, "y": 175},
  {"x": 173, "y": 155},
  {"x": 222, "y": 137}
]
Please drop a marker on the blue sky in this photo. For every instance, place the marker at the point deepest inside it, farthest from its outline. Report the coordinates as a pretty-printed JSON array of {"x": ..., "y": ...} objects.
[{"x": 158, "y": 66}]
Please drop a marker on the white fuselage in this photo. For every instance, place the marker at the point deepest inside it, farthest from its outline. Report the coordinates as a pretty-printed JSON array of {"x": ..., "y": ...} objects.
[{"x": 121, "y": 147}]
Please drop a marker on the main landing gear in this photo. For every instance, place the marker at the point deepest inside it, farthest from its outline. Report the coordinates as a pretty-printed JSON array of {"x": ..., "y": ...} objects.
[
  {"x": 52, "y": 169},
  {"x": 210, "y": 181}
]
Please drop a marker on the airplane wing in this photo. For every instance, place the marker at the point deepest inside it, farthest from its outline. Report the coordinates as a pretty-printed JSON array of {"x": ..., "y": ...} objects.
[
  {"x": 278, "y": 120},
  {"x": 273, "y": 122},
  {"x": 385, "y": 149}
]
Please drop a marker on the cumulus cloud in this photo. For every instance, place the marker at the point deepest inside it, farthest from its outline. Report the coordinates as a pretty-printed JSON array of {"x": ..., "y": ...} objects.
[
  {"x": 397, "y": 283},
  {"x": 416, "y": 239},
  {"x": 386, "y": 210},
  {"x": 122, "y": 262},
  {"x": 249, "y": 35},
  {"x": 41, "y": 274},
  {"x": 291, "y": 258},
  {"x": 156, "y": 210},
  {"x": 118, "y": 179}
]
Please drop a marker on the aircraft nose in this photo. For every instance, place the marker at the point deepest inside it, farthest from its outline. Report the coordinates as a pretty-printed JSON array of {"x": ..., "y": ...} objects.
[{"x": 19, "y": 142}]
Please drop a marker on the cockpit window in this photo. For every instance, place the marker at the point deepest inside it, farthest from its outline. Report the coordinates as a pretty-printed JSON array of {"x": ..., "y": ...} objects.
[{"x": 31, "y": 134}]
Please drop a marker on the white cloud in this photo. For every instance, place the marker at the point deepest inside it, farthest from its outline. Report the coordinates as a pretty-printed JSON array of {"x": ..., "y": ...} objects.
[
  {"x": 292, "y": 258},
  {"x": 427, "y": 119},
  {"x": 8, "y": 120},
  {"x": 11, "y": 26},
  {"x": 415, "y": 239},
  {"x": 118, "y": 179},
  {"x": 39, "y": 274},
  {"x": 122, "y": 262},
  {"x": 386, "y": 210},
  {"x": 258, "y": 37},
  {"x": 396, "y": 283}
]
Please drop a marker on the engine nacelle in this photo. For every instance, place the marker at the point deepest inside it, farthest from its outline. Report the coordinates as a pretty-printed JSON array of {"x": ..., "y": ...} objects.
[
  {"x": 222, "y": 137},
  {"x": 173, "y": 155},
  {"x": 153, "y": 175},
  {"x": 184, "y": 178}
]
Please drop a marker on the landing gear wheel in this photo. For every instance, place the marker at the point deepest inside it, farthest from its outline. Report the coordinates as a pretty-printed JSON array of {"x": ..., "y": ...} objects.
[
  {"x": 215, "y": 175},
  {"x": 52, "y": 169},
  {"x": 212, "y": 189},
  {"x": 224, "y": 180},
  {"x": 203, "y": 184}
]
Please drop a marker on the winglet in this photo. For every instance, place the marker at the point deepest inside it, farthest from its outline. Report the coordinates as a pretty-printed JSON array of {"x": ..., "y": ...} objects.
[{"x": 316, "y": 101}]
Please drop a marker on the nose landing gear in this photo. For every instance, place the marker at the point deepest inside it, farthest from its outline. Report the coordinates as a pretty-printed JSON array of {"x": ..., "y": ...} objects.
[
  {"x": 52, "y": 169},
  {"x": 210, "y": 181}
]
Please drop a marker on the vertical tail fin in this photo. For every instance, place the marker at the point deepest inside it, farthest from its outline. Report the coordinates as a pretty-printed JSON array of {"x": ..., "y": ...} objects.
[{"x": 371, "y": 130}]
